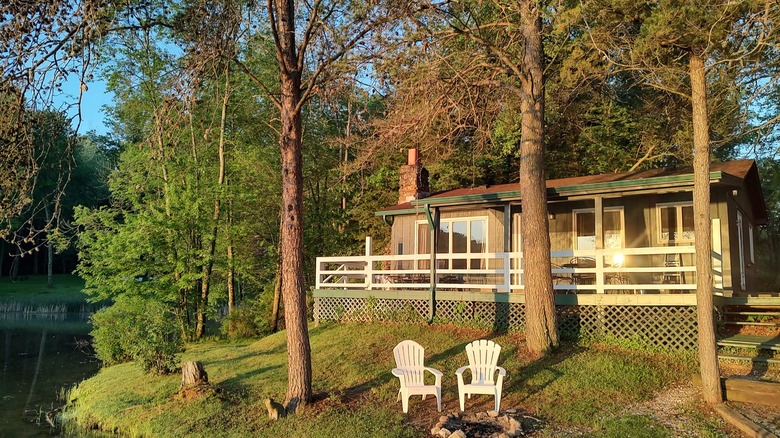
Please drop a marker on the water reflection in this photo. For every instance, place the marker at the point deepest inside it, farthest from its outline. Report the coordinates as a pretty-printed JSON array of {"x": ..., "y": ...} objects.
[{"x": 41, "y": 354}]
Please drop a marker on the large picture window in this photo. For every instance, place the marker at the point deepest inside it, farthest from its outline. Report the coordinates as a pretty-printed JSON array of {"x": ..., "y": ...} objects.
[
  {"x": 675, "y": 222},
  {"x": 455, "y": 236}
]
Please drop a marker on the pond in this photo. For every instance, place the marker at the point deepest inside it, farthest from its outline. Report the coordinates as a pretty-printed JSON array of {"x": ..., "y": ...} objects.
[{"x": 41, "y": 356}]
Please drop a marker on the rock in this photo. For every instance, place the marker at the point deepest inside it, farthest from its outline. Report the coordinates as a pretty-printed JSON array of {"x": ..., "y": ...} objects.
[
  {"x": 435, "y": 430},
  {"x": 504, "y": 435},
  {"x": 444, "y": 419},
  {"x": 492, "y": 414},
  {"x": 444, "y": 433},
  {"x": 458, "y": 434},
  {"x": 514, "y": 426},
  {"x": 511, "y": 411},
  {"x": 481, "y": 414}
]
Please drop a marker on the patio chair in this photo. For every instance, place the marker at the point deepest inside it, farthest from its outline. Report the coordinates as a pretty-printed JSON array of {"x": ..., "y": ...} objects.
[
  {"x": 409, "y": 356},
  {"x": 483, "y": 363},
  {"x": 673, "y": 276}
]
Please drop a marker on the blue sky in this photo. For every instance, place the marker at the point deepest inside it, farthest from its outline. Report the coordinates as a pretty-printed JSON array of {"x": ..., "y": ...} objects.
[{"x": 93, "y": 101}]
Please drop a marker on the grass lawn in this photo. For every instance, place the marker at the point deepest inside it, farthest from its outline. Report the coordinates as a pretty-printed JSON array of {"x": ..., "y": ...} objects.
[
  {"x": 33, "y": 292},
  {"x": 595, "y": 390}
]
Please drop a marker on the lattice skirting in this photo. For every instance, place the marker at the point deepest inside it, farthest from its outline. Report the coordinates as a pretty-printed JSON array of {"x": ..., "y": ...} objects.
[{"x": 666, "y": 327}]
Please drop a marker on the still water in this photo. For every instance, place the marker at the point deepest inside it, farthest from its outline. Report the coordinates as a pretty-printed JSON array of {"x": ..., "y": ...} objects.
[{"x": 40, "y": 356}]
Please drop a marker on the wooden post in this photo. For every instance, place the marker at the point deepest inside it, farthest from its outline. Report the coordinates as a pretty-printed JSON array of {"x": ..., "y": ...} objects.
[
  {"x": 369, "y": 269},
  {"x": 434, "y": 243},
  {"x": 598, "y": 209}
]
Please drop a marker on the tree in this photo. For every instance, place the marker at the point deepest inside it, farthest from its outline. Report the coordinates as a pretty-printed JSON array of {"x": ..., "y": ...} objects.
[
  {"x": 477, "y": 62},
  {"x": 40, "y": 46},
  {"x": 309, "y": 40},
  {"x": 670, "y": 44},
  {"x": 541, "y": 332}
]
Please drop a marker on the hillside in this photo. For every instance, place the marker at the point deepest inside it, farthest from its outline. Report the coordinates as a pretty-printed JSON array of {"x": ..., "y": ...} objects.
[{"x": 598, "y": 390}]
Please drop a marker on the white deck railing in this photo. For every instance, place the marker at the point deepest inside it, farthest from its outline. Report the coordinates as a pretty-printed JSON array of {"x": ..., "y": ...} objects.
[{"x": 643, "y": 270}]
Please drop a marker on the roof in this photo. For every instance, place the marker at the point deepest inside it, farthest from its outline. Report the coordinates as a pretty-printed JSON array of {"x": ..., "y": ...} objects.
[{"x": 732, "y": 173}]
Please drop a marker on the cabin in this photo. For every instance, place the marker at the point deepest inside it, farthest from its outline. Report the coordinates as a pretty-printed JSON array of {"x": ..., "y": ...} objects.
[{"x": 621, "y": 239}]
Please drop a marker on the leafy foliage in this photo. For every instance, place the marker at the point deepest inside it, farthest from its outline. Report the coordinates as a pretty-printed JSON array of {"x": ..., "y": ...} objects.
[{"x": 142, "y": 330}]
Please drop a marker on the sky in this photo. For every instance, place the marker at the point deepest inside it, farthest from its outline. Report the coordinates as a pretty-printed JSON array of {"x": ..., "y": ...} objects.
[{"x": 93, "y": 101}]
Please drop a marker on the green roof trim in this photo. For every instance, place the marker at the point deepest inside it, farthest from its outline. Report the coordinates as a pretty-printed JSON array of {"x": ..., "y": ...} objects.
[
  {"x": 603, "y": 187},
  {"x": 397, "y": 212}
]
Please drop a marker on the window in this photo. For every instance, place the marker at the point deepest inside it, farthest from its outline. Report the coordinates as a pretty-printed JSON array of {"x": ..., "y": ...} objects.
[
  {"x": 585, "y": 228},
  {"x": 455, "y": 236},
  {"x": 675, "y": 222}
]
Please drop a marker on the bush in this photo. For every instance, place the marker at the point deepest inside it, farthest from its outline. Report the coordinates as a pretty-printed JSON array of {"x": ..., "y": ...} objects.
[
  {"x": 138, "y": 329},
  {"x": 248, "y": 320}
]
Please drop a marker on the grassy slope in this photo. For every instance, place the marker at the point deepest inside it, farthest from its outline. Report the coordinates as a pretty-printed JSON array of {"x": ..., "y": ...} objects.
[
  {"x": 575, "y": 389},
  {"x": 33, "y": 291}
]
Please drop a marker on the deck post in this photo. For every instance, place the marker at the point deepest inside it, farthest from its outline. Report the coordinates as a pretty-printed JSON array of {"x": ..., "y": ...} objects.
[
  {"x": 369, "y": 269},
  {"x": 598, "y": 209},
  {"x": 508, "y": 228},
  {"x": 434, "y": 222}
]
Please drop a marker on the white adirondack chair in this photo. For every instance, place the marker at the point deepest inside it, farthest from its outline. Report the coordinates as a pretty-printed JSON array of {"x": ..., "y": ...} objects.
[
  {"x": 409, "y": 356},
  {"x": 483, "y": 363}
]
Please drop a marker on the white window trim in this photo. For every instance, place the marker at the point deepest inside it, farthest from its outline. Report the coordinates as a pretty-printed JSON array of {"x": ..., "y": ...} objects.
[
  {"x": 468, "y": 220},
  {"x": 619, "y": 208},
  {"x": 517, "y": 234},
  {"x": 678, "y": 214},
  {"x": 751, "y": 244}
]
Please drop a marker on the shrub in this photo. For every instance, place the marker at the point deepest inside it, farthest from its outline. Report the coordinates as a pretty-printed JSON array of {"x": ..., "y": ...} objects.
[
  {"x": 138, "y": 329},
  {"x": 247, "y": 320}
]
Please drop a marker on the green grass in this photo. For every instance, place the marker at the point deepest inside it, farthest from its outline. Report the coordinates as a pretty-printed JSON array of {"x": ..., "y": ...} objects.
[
  {"x": 576, "y": 388},
  {"x": 33, "y": 292}
]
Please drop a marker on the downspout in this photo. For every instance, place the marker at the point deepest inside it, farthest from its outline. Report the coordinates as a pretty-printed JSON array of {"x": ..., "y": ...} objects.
[{"x": 433, "y": 222}]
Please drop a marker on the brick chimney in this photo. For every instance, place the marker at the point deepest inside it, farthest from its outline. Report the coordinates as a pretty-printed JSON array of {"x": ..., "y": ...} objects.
[{"x": 413, "y": 182}]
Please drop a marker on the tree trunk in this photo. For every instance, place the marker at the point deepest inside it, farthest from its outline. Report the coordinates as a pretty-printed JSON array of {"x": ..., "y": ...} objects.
[
  {"x": 208, "y": 265},
  {"x": 192, "y": 373},
  {"x": 2, "y": 256},
  {"x": 231, "y": 286},
  {"x": 541, "y": 332},
  {"x": 15, "y": 267},
  {"x": 36, "y": 257},
  {"x": 49, "y": 252},
  {"x": 231, "y": 271},
  {"x": 298, "y": 348},
  {"x": 276, "y": 305},
  {"x": 708, "y": 349}
]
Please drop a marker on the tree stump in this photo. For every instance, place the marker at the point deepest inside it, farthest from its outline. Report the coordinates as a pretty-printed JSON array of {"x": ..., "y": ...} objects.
[{"x": 194, "y": 380}]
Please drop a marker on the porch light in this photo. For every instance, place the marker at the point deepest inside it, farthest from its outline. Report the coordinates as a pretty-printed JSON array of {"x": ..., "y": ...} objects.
[{"x": 618, "y": 259}]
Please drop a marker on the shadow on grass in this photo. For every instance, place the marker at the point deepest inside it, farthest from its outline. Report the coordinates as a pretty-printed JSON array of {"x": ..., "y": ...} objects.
[
  {"x": 237, "y": 382},
  {"x": 274, "y": 351},
  {"x": 545, "y": 365}
]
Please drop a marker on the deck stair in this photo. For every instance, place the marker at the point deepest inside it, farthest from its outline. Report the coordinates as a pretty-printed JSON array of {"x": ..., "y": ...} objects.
[
  {"x": 765, "y": 346},
  {"x": 752, "y": 327}
]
